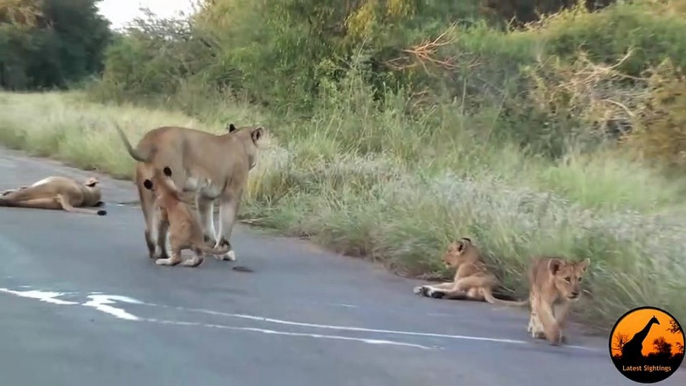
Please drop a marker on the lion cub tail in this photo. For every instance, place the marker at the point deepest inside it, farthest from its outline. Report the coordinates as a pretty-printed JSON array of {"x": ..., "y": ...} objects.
[
  {"x": 488, "y": 296},
  {"x": 214, "y": 251}
]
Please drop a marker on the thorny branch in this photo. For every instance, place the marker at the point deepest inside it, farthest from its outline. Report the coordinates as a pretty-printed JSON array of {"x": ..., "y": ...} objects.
[{"x": 425, "y": 52}]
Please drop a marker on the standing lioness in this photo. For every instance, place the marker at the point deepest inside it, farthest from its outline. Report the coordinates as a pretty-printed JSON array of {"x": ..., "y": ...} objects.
[{"x": 221, "y": 162}]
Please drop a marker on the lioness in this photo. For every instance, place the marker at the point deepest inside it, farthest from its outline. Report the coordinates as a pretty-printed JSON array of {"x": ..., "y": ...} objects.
[
  {"x": 473, "y": 280},
  {"x": 222, "y": 160},
  {"x": 554, "y": 283},
  {"x": 184, "y": 229},
  {"x": 56, "y": 193}
]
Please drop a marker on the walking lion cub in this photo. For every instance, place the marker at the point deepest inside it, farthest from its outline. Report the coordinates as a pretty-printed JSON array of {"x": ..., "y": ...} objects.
[{"x": 554, "y": 284}]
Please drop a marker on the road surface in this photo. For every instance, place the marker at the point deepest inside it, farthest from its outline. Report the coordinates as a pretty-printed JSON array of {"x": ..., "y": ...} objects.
[{"x": 83, "y": 305}]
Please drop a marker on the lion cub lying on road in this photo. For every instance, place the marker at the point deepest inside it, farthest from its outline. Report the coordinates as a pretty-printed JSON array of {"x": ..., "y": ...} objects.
[
  {"x": 472, "y": 280},
  {"x": 184, "y": 230},
  {"x": 554, "y": 284},
  {"x": 56, "y": 193}
]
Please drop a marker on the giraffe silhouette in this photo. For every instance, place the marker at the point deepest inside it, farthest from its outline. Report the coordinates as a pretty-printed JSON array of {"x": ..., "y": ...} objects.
[{"x": 632, "y": 350}]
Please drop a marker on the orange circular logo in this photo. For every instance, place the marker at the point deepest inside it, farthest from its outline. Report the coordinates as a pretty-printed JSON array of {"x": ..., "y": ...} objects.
[{"x": 647, "y": 345}]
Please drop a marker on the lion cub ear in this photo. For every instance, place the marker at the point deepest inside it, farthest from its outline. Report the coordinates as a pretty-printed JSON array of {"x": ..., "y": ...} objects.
[
  {"x": 257, "y": 133},
  {"x": 554, "y": 265}
]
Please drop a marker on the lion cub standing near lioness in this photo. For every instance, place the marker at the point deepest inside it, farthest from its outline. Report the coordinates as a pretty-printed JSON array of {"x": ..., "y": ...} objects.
[
  {"x": 184, "y": 230},
  {"x": 57, "y": 192},
  {"x": 554, "y": 284},
  {"x": 472, "y": 280}
]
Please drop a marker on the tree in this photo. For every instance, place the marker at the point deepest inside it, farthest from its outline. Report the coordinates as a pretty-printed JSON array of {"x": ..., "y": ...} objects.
[
  {"x": 674, "y": 328},
  {"x": 663, "y": 348},
  {"x": 50, "y": 43},
  {"x": 679, "y": 348},
  {"x": 620, "y": 341}
]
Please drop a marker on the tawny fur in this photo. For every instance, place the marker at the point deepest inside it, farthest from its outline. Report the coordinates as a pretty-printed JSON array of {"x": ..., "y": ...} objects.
[
  {"x": 59, "y": 193},
  {"x": 472, "y": 281},
  {"x": 215, "y": 167},
  {"x": 554, "y": 284},
  {"x": 184, "y": 230}
]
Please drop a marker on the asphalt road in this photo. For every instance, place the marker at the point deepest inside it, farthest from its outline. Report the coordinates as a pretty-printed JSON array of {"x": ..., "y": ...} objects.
[{"x": 303, "y": 317}]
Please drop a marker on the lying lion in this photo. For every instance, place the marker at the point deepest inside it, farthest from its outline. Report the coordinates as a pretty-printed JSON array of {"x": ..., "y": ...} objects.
[
  {"x": 473, "y": 280},
  {"x": 57, "y": 193},
  {"x": 184, "y": 230},
  {"x": 554, "y": 284}
]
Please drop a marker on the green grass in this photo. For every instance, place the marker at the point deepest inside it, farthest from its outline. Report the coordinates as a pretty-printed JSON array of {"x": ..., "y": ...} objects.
[{"x": 398, "y": 189}]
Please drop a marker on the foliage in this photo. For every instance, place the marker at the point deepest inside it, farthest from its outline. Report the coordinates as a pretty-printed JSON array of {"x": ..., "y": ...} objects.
[{"x": 50, "y": 43}]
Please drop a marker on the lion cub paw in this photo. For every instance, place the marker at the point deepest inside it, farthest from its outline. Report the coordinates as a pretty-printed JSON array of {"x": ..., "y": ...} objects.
[
  {"x": 429, "y": 292},
  {"x": 167, "y": 262}
]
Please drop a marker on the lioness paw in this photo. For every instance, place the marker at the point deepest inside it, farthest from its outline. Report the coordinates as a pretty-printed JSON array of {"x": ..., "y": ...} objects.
[{"x": 230, "y": 256}]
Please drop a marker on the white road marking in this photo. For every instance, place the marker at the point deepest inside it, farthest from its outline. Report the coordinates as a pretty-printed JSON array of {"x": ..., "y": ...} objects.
[
  {"x": 362, "y": 329},
  {"x": 48, "y": 297},
  {"x": 265, "y": 331},
  {"x": 100, "y": 303}
]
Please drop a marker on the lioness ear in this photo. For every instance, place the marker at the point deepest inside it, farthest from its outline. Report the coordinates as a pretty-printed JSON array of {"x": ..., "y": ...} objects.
[
  {"x": 148, "y": 184},
  {"x": 231, "y": 128},
  {"x": 466, "y": 240},
  {"x": 583, "y": 264},
  {"x": 167, "y": 172},
  {"x": 554, "y": 265},
  {"x": 256, "y": 134}
]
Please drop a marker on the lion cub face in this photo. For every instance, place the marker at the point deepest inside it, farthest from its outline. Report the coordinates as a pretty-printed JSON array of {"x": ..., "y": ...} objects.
[
  {"x": 567, "y": 276},
  {"x": 460, "y": 252}
]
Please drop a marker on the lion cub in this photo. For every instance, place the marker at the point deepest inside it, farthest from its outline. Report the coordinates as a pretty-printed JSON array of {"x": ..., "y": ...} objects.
[
  {"x": 473, "y": 280},
  {"x": 184, "y": 230},
  {"x": 554, "y": 284}
]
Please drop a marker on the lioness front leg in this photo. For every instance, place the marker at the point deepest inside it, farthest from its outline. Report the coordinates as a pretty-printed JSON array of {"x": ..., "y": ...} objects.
[
  {"x": 205, "y": 212},
  {"x": 227, "y": 216}
]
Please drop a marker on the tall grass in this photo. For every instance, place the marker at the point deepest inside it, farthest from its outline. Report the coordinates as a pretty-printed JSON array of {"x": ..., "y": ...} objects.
[{"x": 376, "y": 182}]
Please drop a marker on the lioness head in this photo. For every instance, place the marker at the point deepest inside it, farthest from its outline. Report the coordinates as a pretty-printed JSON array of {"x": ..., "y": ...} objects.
[
  {"x": 458, "y": 252},
  {"x": 249, "y": 136},
  {"x": 567, "y": 276}
]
